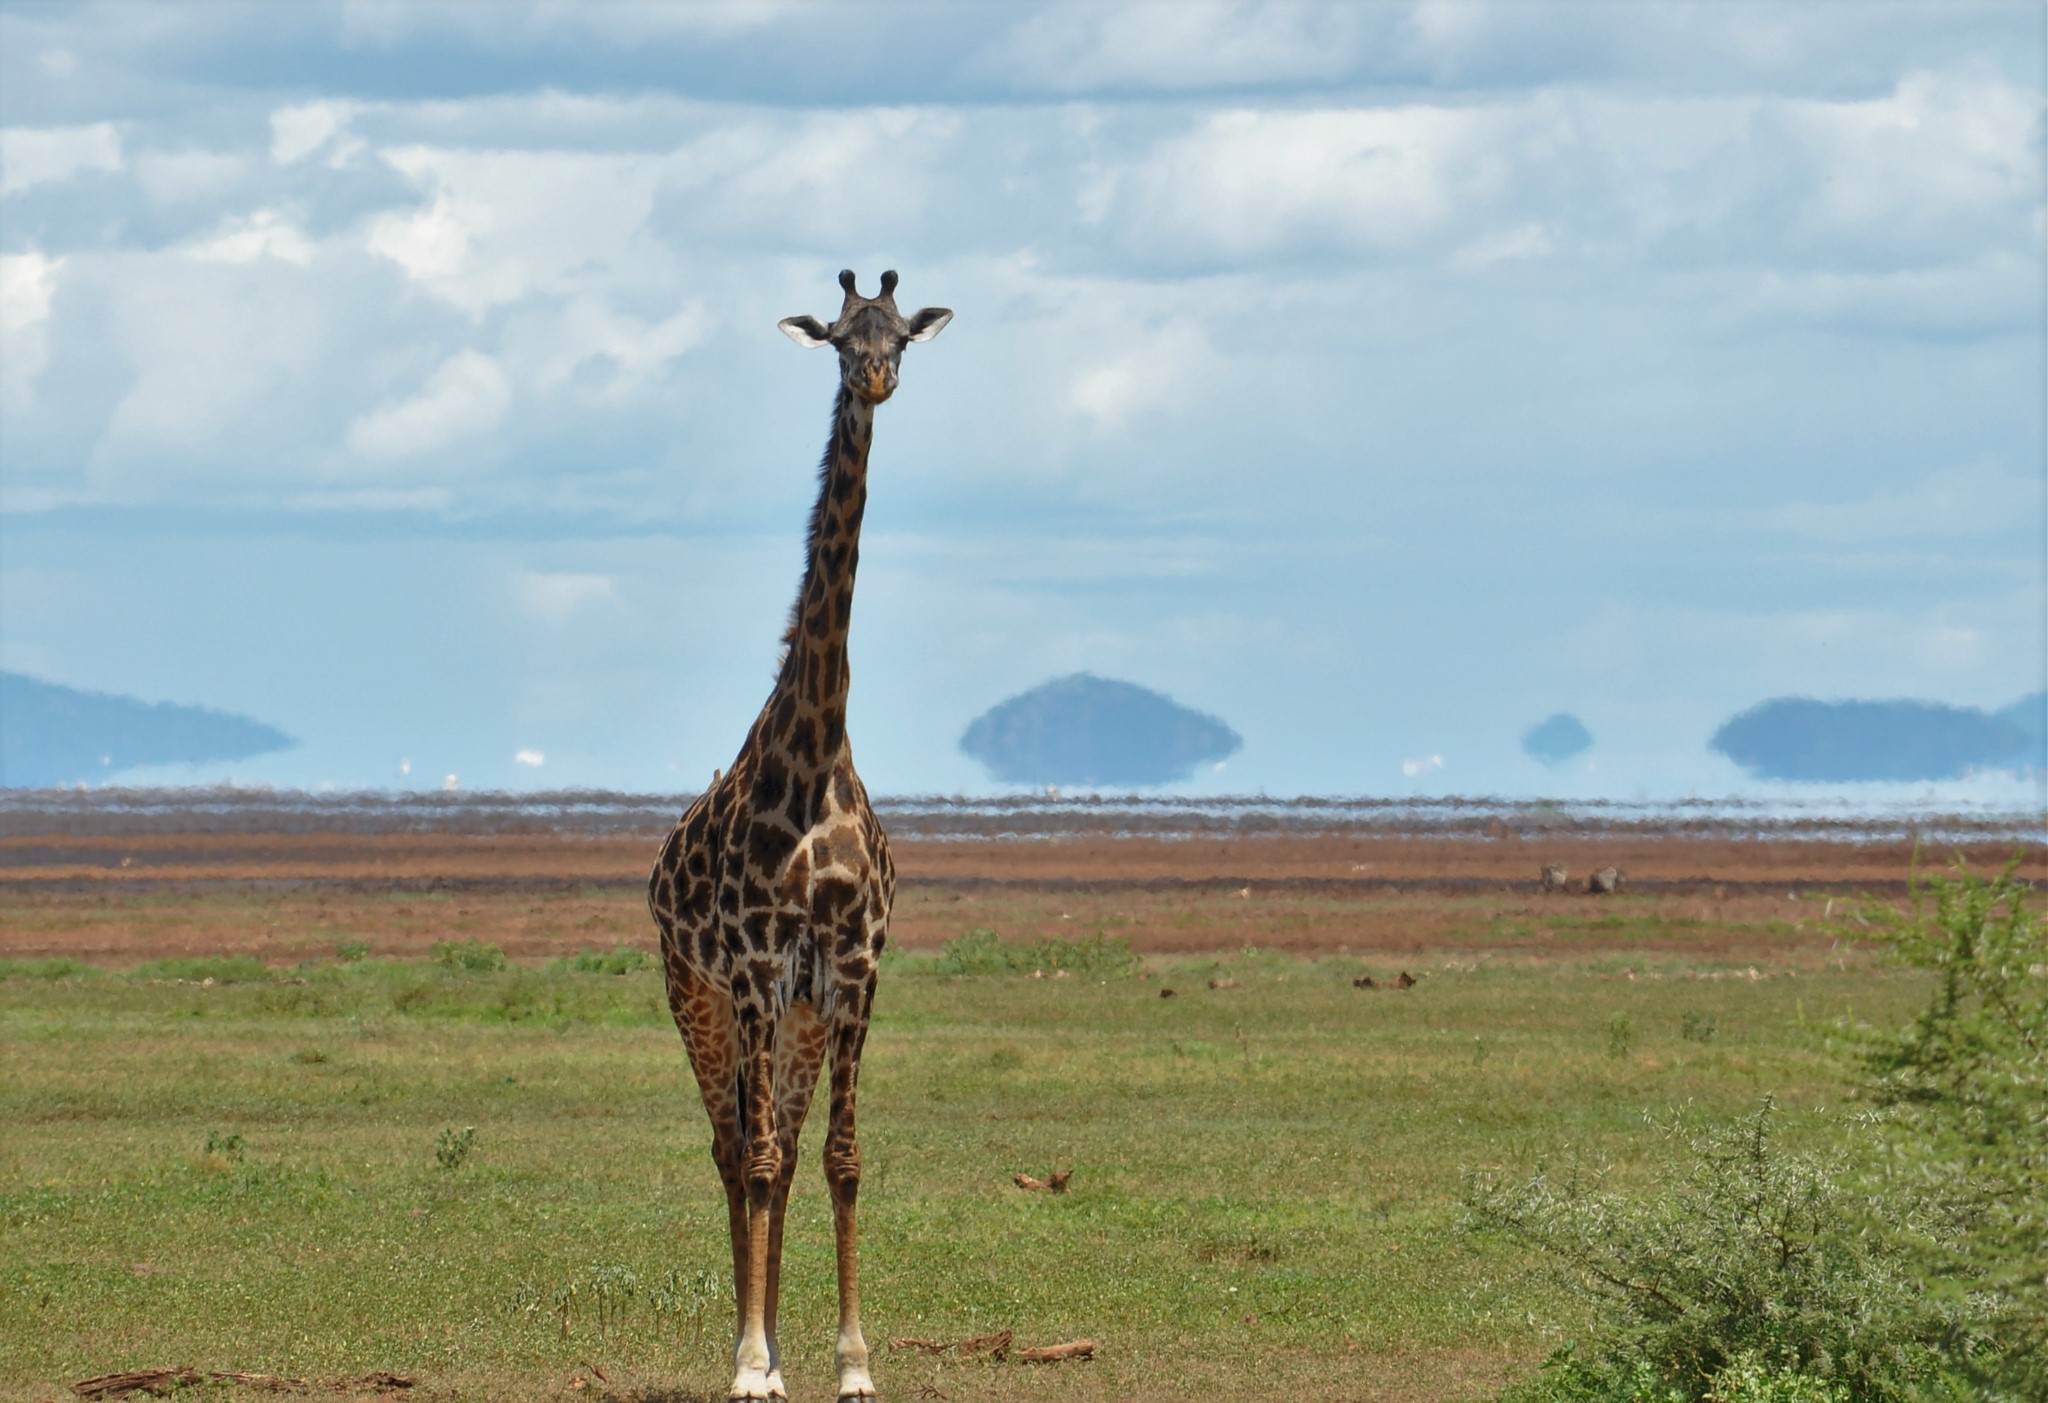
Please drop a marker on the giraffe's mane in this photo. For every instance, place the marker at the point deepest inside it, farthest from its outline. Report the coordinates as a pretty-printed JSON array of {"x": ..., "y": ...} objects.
[{"x": 796, "y": 608}]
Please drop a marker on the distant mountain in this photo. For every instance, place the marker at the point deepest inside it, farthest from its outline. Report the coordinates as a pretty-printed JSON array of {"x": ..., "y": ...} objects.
[
  {"x": 51, "y": 734},
  {"x": 2030, "y": 716},
  {"x": 1557, "y": 739},
  {"x": 1095, "y": 731},
  {"x": 1797, "y": 738}
]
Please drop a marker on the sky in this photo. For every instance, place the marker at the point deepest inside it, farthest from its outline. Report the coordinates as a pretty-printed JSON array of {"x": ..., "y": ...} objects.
[{"x": 1379, "y": 378}]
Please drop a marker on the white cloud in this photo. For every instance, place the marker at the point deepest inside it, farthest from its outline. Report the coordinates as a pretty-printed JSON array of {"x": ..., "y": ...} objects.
[
  {"x": 1252, "y": 183},
  {"x": 1942, "y": 171},
  {"x": 553, "y": 597},
  {"x": 532, "y": 758},
  {"x": 499, "y": 226},
  {"x": 1995, "y": 292},
  {"x": 867, "y": 174},
  {"x": 1174, "y": 45},
  {"x": 1427, "y": 764},
  {"x": 595, "y": 345},
  {"x": 555, "y": 23},
  {"x": 190, "y": 177},
  {"x": 28, "y": 283},
  {"x": 31, "y": 156},
  {"x": 227, "y": 361},
  {"x": 1165, "y": 367},
  {"x": 299, "y": 132},
  {"x": 267, "y": 233},
  {"x": 1943, "y": 155},
  {"x": 468, "y": 395},
  {"x": 58, "y": 63},
  {"x": 1523, "y": 241}
]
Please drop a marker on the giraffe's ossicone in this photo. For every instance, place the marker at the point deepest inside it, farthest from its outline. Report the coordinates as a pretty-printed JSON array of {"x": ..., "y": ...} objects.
[{"x": 772, "y": 895}]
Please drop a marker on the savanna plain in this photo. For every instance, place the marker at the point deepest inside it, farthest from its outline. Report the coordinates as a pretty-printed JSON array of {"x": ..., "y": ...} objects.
[{"x": 326, "y": 1106}]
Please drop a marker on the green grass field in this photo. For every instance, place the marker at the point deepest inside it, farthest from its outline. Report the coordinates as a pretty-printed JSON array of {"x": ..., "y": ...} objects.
[{"x": 268, "y": 1171}]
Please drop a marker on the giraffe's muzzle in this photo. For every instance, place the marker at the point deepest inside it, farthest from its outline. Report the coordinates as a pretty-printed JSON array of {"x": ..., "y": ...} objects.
[{"x": 876, "y": 385}]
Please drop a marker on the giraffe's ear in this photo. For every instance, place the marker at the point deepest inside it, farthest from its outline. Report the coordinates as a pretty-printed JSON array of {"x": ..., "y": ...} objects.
[
  {"x": 929, "y": 322},
  {"x": 806, "y": 331}
]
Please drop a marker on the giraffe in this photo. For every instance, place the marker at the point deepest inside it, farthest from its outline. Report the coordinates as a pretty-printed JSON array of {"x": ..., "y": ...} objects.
[{"x": 772, "y": 894}]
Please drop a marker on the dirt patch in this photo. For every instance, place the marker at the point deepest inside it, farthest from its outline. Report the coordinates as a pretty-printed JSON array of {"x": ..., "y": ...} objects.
[{"x": 123, "y": 898}]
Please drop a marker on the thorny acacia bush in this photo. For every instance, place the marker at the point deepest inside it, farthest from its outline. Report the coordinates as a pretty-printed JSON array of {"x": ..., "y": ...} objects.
[
  {"x": 1965, "y": 1091},
  {"x": 1755, "y": 1271}
]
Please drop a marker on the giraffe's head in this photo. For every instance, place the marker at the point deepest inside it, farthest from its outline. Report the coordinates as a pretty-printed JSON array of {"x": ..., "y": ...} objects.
[{"x": 870, "y": 335}]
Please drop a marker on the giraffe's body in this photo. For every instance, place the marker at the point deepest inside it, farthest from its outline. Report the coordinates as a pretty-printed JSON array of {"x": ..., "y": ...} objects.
[{"x": 772, "y": 895}]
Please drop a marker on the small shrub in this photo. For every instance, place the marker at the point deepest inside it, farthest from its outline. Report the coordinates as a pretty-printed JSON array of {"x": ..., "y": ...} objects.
[
  {"x": 221, "y": 969},
  {"x": 1758, "y": 1261},
  {"x": 61, "y": 967},
  {"x": 1621, "y": 1036},
  {"x": 1568, "y": 1379},
  {"x": 222, "y": 1152},
  {"x": 682, "y": 1301},
  {"x": 1750, "y": 1380},
  {"x": 1099, "y": 954},
  {"x": 624, "y": 960},
  {"x": 982, "y": 951},
  {"x": 309, "y": 1056},
  {"x": 978, "y": 951},
  {"x": 452, "y": 1149},
  {"x": 1963, "y": 1087},
  {"x": 468, "y": 954},
  {"x": 678, "y": 1306},
  {"x": 352, "y": 952},
  {"x": 1697, "y": 1027}
]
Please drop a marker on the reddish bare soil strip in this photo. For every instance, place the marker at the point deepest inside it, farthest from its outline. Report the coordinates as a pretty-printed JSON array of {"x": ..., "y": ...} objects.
[
  {"x": 1080, "y": 860},
  {"x": 124, "y": 898}
]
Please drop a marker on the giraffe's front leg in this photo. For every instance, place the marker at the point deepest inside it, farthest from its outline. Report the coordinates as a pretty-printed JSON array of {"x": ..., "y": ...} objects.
[
  {"x": 754, "y": 1375},
  {"x": 842, "y": 1175},
  {"x": 800, "y": 1047}
]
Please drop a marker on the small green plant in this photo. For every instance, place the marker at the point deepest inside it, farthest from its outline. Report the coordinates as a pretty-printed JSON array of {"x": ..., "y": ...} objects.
[
  {"x": 982, "y": 951},
  {"x": 451, "y": 1151},
  {"x": 684, "y": 1301},
  {"x": 1963, "y": 1087},
  {"x": 352, "y": 952},
  {"x": 60, "y": 967},
  {"x": 222, "y": 1151},
  {"x": 978, "y": 951},
  {"x": 623, "y": 960},
  {"x": 309, "y": 1056},
  {"x": 1759, "y": 1261},
  {"x": 1567, "y": 1378},
  {"x": 1621, "y": 1036},
  {"x": 603, "y": 1293},
  {"x": 1697, "y": 1027},
  {"x": 215, "y": 969},
  {"x": 468, "y": 954}
]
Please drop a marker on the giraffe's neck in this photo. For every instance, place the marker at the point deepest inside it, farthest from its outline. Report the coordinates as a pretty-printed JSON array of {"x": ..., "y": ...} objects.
[{"x": 807, "y": 712}]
